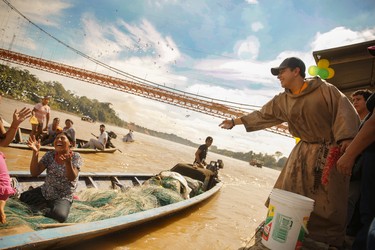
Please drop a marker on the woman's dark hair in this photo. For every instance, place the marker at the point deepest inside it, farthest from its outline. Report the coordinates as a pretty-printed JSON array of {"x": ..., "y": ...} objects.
[
  {"x": 67, "y": 136},
  {"x": 363, "y": 92}
]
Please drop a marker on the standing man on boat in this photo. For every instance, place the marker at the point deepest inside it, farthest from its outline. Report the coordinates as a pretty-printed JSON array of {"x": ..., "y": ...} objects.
[
  {"x": 325, "y": 120},
  {"x": 201, "y": 153},
  {"x": 41, "y": 112}
]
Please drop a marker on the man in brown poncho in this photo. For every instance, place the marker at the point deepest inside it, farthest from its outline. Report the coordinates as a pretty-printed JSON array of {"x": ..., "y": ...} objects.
[{"x": 323, "y": 118}]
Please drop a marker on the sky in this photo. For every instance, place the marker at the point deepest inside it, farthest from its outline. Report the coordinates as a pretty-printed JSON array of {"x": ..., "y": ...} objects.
[{"x": 220, "y": 49}]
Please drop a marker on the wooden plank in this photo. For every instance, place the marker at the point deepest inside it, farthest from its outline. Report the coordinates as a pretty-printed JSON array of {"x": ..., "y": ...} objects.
[
  {"x": 136, "y": 179},
  {"x": 79, "y": 150},
  {"x": 54, "y": 225},
  {"x": 92, "y": 182},
  {"x": 116, "y": 182}
]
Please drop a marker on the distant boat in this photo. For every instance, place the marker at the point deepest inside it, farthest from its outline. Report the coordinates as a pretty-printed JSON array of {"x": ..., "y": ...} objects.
[
  {"x": 59, "y": 235},
  {"x": 23, "y": 134},
  {"x": 256, "y": 163}
]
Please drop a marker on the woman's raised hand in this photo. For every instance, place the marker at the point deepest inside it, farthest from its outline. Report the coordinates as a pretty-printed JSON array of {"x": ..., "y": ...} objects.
[{"x": 33, "y": 143}]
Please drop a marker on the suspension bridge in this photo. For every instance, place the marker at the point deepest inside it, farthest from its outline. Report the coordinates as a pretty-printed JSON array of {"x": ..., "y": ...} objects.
[{"x": 132, "y": 85}]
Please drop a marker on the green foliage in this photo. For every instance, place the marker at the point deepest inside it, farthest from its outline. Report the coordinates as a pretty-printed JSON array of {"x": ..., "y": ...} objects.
[{"x": 19, "y": 84}]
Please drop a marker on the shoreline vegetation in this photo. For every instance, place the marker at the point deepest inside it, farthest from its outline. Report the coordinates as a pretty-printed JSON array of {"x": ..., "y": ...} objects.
[{"x": 19, "y": 84}]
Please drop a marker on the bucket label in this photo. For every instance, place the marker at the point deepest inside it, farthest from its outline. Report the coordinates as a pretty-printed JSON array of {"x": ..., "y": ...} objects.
[
  {"x": 268, "y": 222},
  {"x": 282, "y": 226},
  {"x": 302, "y": 233}
]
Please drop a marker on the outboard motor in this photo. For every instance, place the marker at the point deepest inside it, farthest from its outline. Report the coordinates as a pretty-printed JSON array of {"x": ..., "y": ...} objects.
[
  {"x": 214, "y": 167},
  {"x": 111, "y": 135}
]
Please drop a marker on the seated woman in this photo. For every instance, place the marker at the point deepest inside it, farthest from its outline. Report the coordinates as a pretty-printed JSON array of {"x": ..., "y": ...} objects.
[
  {"x": 54, "y": 198},
  {"x": 70, "y": 131},
  {"x": 129, "y": 137},
  {"x": 52, "y": 131}
]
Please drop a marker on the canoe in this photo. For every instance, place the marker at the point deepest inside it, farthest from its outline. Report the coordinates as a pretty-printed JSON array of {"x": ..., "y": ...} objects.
[
  {"x": 24, "y": 133},
  {"x": 72, "y": 233},
  {"x": 79, "y": 150}
]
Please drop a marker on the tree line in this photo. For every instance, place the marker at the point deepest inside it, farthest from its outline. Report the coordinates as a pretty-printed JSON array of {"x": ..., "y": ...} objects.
[{"x": 20, "y": 84}]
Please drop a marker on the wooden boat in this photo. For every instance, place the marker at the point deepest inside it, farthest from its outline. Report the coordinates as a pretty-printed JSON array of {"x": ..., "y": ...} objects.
[
  {"x": 79, "y": 150},
  {"x": 73, "y": 233},
  {"x": 23, "y": 134}
]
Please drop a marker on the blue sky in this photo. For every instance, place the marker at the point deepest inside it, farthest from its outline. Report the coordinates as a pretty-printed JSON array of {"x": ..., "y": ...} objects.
[{"x": 221, "y": 49}]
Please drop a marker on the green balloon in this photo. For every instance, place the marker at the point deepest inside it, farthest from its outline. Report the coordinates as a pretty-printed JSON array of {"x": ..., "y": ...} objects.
[
  {"x": 323, "y": 73},
  {"x": 313, "y": 70}
]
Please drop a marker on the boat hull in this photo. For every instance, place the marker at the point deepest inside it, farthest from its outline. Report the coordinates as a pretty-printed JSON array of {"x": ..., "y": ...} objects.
[
  {"x": 71, "y": 234},
  {"x": 23, "y": 134},
  {"x": 79, "y": 150}
]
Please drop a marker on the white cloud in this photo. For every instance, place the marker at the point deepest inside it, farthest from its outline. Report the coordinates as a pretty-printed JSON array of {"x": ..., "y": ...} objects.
[
  {"x": 341, "y": 36},
  {"x": 15, "y": 32},
  {"x": 161, "y": 3},
  {"x": 256, "y": 26},
  {"x": 247, "y": 49},
  {"x": 139, "y": 51},
  {"x": 96, "y": 42},
  {"x": 252, "y": 1},
  {"x": 247, "y": 71},
  {"x": 258, "y": 72},
  {"x": 41, "y": 12},
  {"x": 147, "y": 38}
]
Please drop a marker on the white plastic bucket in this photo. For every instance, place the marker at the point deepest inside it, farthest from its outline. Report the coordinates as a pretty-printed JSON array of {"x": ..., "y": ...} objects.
[{"x": 286, "y": 222}]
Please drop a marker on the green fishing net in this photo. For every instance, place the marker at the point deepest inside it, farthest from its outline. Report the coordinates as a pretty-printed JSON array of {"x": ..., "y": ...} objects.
[{"x": 94, "y": 204}]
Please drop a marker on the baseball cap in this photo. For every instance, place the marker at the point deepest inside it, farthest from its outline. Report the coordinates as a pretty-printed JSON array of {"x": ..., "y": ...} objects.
[{"x": 291, "y": 62}]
